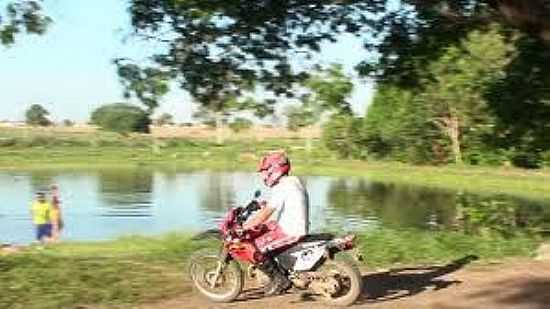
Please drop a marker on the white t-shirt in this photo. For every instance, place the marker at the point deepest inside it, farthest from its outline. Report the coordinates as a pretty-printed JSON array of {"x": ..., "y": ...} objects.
[{"x": 290, "y": 200}]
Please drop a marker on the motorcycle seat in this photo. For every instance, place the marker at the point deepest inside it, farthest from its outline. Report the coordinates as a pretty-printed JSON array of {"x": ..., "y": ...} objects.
[{"x": 317, "y": 237}]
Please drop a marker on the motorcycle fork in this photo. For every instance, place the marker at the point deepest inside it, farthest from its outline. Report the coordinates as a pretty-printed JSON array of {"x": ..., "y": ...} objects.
[{"x": 222, "y": 262}]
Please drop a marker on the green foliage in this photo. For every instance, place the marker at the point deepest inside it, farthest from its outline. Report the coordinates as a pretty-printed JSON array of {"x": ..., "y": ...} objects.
[
  {"x": 523, "y": 128},
  {"x": 531, "y": 160},
  {"x": 121, "y": 118},
  {"x": 390, "y": 247},
  {"x": 342, "y": 134},
  {"x": 396, "y": 127},
  {"x": 490, "y": 217},
  {"x": 19, "y": 16},
  {"x": 240, "y": 124},
  {"x": 328, "y": 91},
  {"x": 214, "y": 46},
  {"x": 148, "y": 85},
  {"x": 462, "y": 92},
  {"x": 299, "y": 117},
  {"x": 467, "y": 83},
  {"x": 164, "y": 119},
  {"x": 232, "y": 105},
  {"x": 37, "y": 115}
]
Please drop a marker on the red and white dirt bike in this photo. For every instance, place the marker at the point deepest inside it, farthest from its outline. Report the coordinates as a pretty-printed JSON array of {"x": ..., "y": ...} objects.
[{"x": 310, "y": 263}]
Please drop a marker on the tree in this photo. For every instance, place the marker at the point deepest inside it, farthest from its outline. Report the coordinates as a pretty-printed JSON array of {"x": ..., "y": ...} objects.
[
  {"x": 22, "y": 15},
  {"x": 37, "y": 115},
  {"x": 240, "y": 124},
  {"x": 165, "y": 119},
  {"x": 327, "y": 94},
  {"x": 68, "y": 122},
  {"x": 121, "y": 118},
  {"x": 458, "y": 82},
  {"x": 218, "y": 114},
  {"x": 213, "y": 43},
  {"x": 148, "y": 85},
  {"x": 450, "y": 107},
  {"x": 344, "y": 134},
  {"x": 390, "y": 128},
  {"x": 521, "y": 128}
]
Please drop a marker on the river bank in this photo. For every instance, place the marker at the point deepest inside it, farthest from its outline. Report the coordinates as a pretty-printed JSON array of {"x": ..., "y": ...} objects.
[
  {"x": 239, "y": 156},
  {"x": 136, "y": 270}
]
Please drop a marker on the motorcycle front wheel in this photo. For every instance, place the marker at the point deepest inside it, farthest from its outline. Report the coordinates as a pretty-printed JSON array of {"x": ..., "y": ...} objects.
[{"x": 216, "y": 280}]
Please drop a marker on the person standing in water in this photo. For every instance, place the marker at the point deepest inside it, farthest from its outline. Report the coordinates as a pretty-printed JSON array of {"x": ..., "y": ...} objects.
[
  {"x": 41, "y": 217},
  {"x": 56, "y": 217}
]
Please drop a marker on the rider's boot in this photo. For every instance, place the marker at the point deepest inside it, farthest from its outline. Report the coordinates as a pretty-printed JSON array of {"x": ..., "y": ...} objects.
[{"x": 278, "y": 281}]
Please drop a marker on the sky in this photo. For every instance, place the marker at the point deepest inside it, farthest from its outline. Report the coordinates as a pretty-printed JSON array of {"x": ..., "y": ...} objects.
[{"x": 70, "y": 71}]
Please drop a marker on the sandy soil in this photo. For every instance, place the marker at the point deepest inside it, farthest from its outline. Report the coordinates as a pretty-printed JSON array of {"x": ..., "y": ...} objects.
[{"x": 517, "y": 285}]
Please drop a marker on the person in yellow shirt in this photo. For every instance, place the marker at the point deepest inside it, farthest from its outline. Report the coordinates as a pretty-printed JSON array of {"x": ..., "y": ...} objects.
[{"x": 41, "y": 217}]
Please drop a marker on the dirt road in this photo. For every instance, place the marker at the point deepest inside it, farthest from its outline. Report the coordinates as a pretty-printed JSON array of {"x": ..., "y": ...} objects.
[{"x": 517, "y": 285}]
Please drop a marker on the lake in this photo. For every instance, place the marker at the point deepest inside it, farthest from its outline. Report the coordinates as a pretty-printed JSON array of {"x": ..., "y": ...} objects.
[{"x": 107, "y": 203}]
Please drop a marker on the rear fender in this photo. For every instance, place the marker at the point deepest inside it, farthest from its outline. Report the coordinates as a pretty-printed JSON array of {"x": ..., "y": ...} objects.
[{"x": 346, "y": 243}]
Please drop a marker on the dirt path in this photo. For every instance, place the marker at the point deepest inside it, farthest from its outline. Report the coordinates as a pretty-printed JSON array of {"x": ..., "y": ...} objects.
[{"x": 517, "y": 285}]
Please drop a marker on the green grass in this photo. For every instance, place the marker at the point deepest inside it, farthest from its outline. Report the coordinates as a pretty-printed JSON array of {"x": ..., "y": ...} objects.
[
  {"x": 125, "y": 271},
  {"x": 482, "y": 180},
  {"x": 411, "y": 247},
  {"x": 134, "y": 270}
]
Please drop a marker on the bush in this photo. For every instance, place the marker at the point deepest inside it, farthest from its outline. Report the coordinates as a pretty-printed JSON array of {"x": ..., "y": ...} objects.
[
  {"x": 528, "y": 160},
  {"x": 164, "y": 119},
  {"x": 121, "y": 118},
  {"x": 7, "y": 142},
  {"x": 495, "y": 157},
  {"x": 343, "y": 135},
  {"x": 240, "y": 124},
  {"x": 68, "y": 123},
  {"x": 546, "y": 158}
]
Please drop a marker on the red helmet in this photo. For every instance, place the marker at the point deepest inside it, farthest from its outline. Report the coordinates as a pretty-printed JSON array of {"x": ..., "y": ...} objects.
[{"x": 274, "y": 166}]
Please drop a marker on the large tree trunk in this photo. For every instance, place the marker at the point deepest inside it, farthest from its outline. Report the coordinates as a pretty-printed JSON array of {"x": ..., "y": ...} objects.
[
  {"x": 454, "y": 135},
  {"x": 219, "y": 129},
  {"x": 450, "y": 125}
]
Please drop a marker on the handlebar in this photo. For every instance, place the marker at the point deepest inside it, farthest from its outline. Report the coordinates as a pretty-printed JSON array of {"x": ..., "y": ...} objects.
[{"x": 247, "y": 211}]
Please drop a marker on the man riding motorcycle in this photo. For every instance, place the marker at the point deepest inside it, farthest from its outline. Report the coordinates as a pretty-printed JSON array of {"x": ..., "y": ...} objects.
[{"x": 289, "y": 206}]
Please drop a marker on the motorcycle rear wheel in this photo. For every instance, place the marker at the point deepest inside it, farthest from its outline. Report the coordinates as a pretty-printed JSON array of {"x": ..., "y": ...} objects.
[
  {"x": 349, "y": 278},
  {"x": 202, "y": 270}
]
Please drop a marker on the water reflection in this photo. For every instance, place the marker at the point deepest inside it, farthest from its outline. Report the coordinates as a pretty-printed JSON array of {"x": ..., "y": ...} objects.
[
  {"x": 103, "y": 204},
  {"x": 393, "y": 205},
  {"x": 217, "y": 193},
  {"x": 501, "y": 215},
  {"x": 126, "y": 193}
]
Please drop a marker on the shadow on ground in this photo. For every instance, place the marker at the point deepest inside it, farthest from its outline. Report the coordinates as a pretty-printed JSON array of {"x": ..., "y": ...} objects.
[
  {"x": 393, "y": 284},
  {"x": 531, "y": 293},
  {"x": 406, "y": 282}
]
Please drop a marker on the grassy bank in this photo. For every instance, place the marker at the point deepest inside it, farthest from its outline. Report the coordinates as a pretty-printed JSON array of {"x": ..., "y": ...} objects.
[
  {"x": 135, "y": 270},
  {"x": 39, "y": 150}
]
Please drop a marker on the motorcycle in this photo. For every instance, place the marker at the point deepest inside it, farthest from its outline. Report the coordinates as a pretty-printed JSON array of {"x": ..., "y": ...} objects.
[{"x": 310, "y": 263}]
